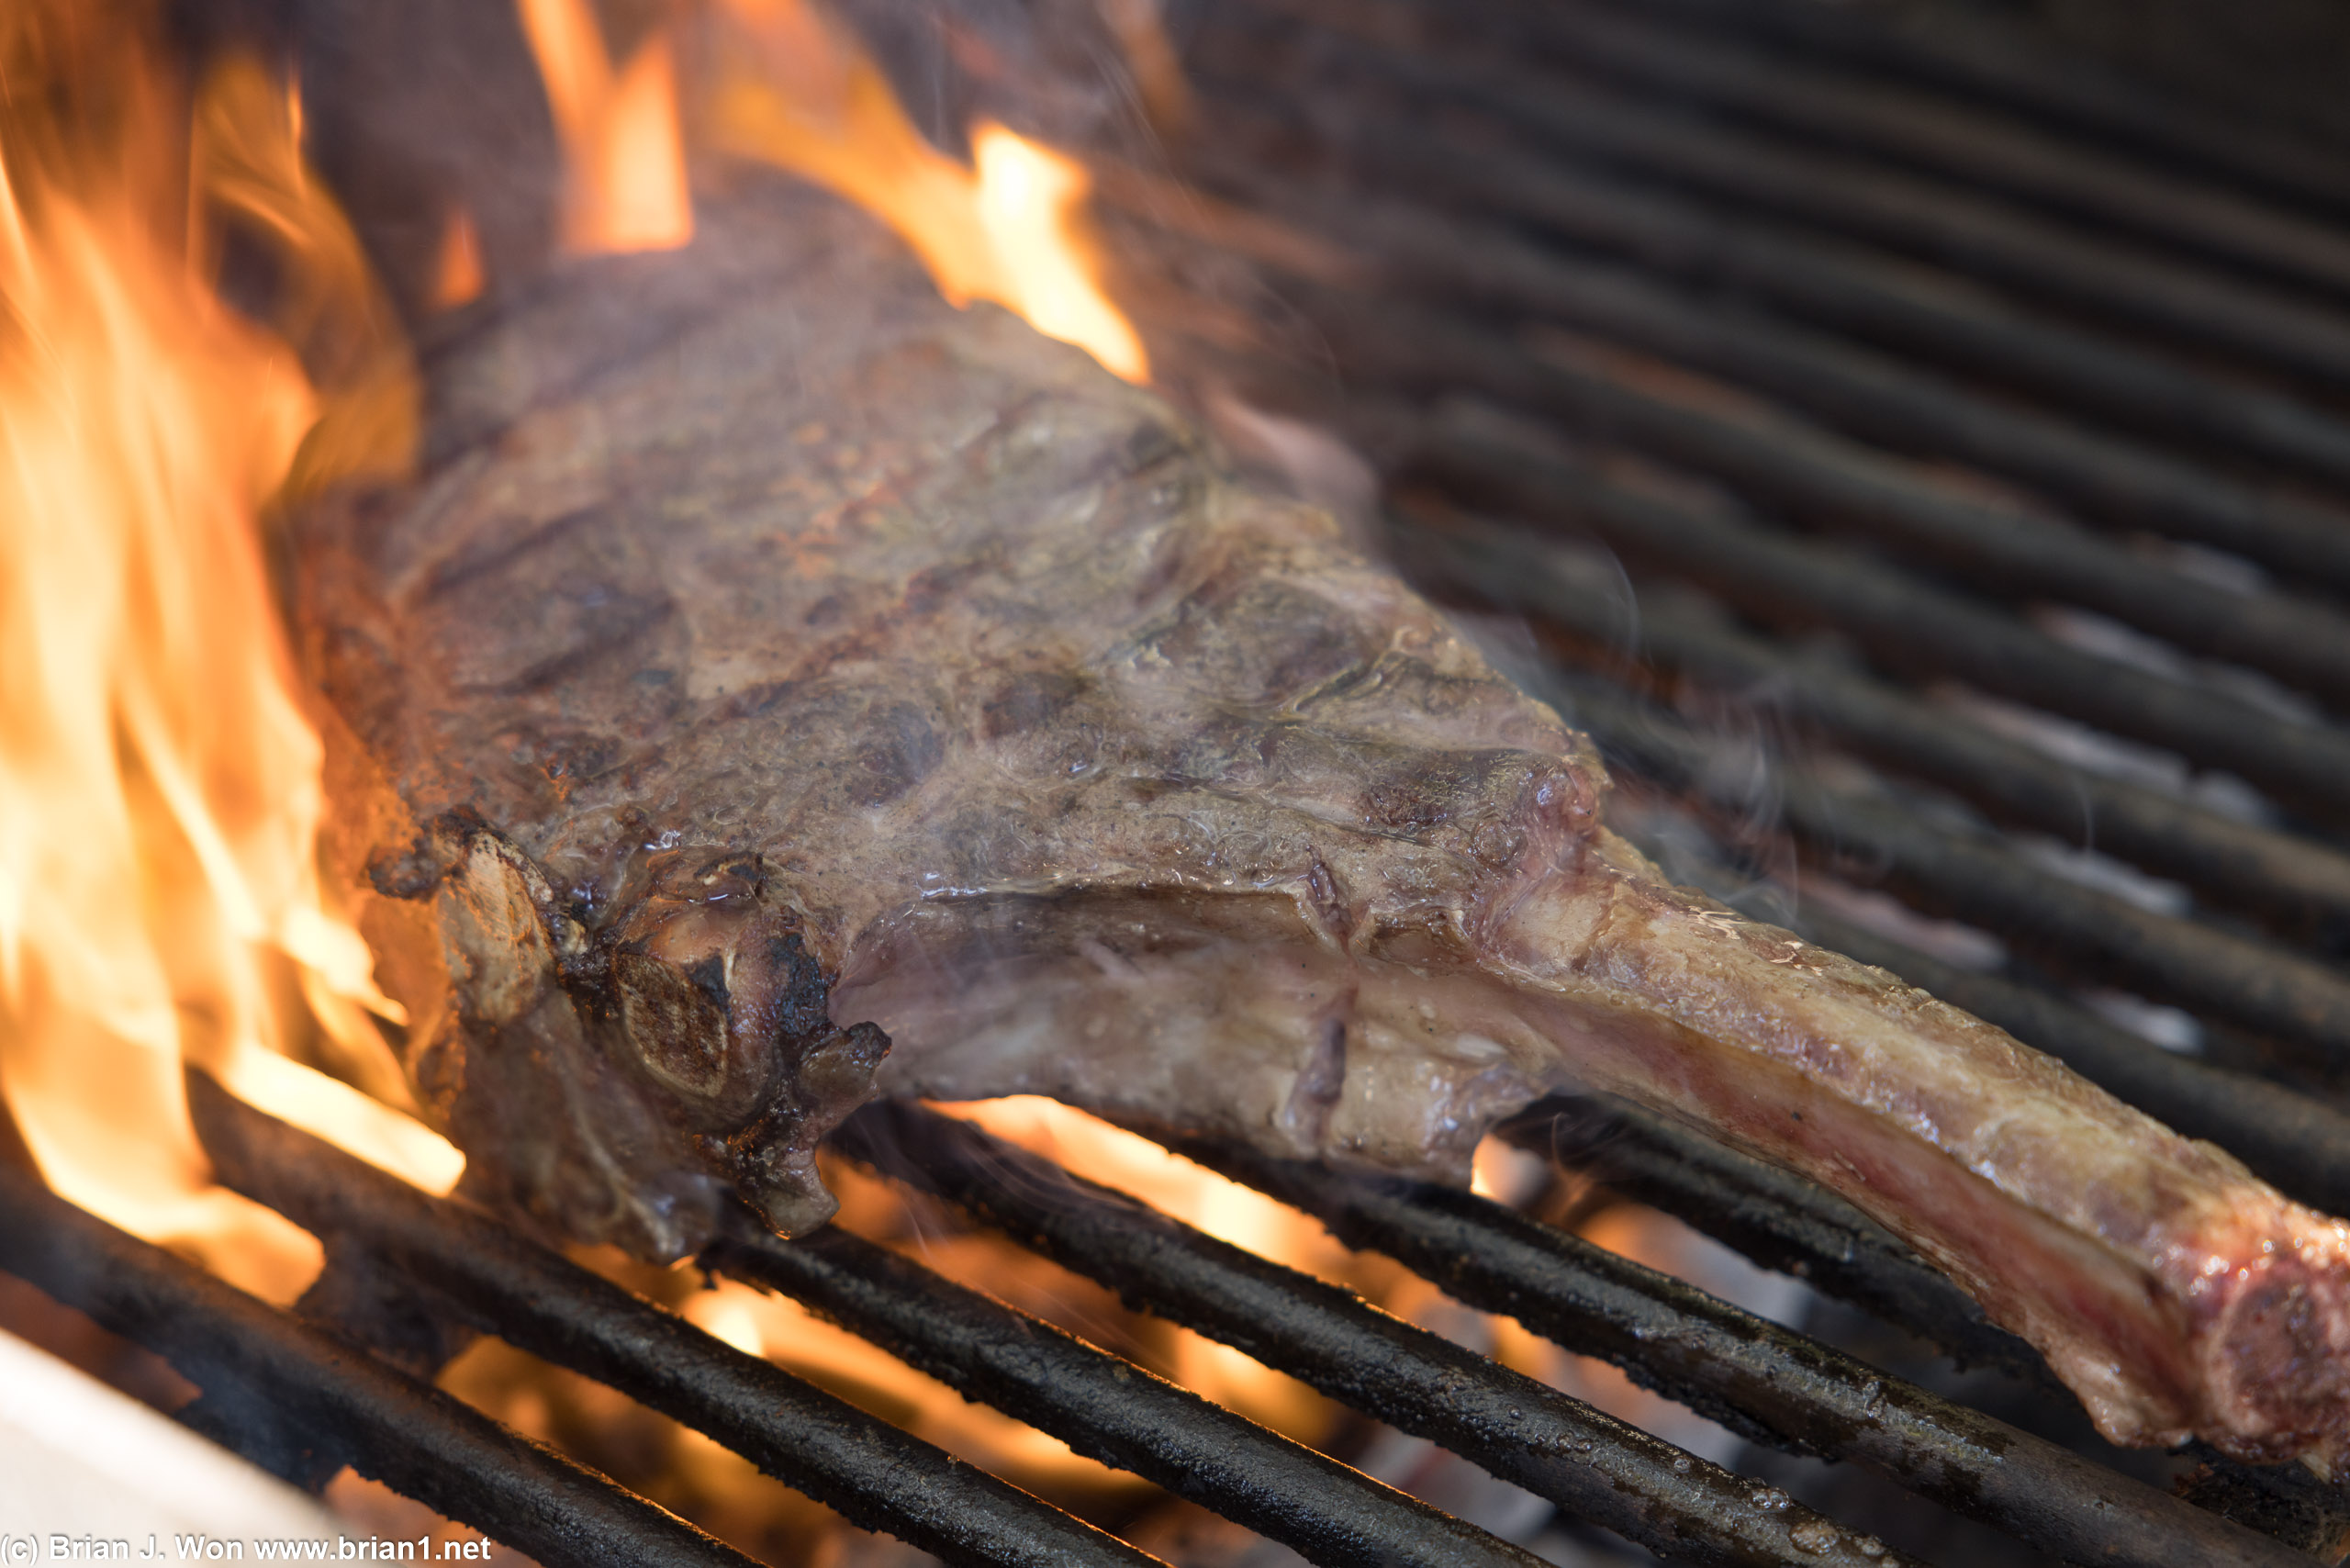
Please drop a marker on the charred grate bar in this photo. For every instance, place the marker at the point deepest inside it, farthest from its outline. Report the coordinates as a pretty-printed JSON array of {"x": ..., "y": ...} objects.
[
  {"x": 1752, "y": 1375},
  {"x": 2072, "y": 96},
  {"x": 1589, "y": 1464},
  {"x": 1729, "y": 76},
  {"x": 300, "y": 1401},
  {"x": 1593, "y": 1466},
  {"x": 1907, "y": 622},
  {"x": 1880, "y": 300},
  {"x": 1105, "y": 1407},
  {"x": 1786, "y": 1223},
  {"x": 874, "y": 1475},
  {"x": 1772, "y": 1384},
  {"x": 1421, "y": 252},
  {"x": 1778, "y": 1219},
  {"x": 1386, "y": 59},
  {"x": 2302, "y": 884},
  {"x": 2267, "y": 986}
]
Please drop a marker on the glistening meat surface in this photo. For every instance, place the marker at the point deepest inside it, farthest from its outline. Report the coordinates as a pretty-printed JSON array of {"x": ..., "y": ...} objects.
[{"x": 772, "y": 653}]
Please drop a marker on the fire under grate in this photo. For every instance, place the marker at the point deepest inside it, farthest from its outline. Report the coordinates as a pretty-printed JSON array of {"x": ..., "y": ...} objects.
[
  {"x": 299, "y": 1399},
  {"x": 1648, "y": 311}
]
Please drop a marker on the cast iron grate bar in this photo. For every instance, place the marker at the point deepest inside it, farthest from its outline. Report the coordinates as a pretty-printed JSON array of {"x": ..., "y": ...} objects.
[
  {"x": 1898, "y": 618},
  {"x": 1937, "y": 135},
  {"x": 1784, "y": 1222},
  {"x": 1995, "y": 65},
  {"x": 2300, "y": 884},
  {"x": 1271, "y": 46},
  {"x": 1895, "y": 303},
  {"x": 873, "y": 1475},
  {"x": 2266, "y": 987},
  {"x": 296, "y": 1400},
  {"x": 1106, "y": 1407},
  {"x": 1591, "y": 1465},
  {"x": 1418, "y": 250},
  {"x": 1753, "y": 1375},
  {"x": 1772, "y": 1216},
  {"x": 1103, "y": 1405}
]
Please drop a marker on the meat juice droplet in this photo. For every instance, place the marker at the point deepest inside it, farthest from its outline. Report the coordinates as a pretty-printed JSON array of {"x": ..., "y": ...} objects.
[{"x": 1813, "y": 1535}]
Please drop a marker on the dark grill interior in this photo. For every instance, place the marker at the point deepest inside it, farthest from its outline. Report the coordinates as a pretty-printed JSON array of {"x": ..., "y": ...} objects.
[
  {"x": 1924, "y": 469},
  {"x": 1845, "y": 477}
]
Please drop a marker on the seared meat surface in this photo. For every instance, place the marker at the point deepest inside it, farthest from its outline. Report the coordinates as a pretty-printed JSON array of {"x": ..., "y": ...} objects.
[{"x": 772, "y": 653}]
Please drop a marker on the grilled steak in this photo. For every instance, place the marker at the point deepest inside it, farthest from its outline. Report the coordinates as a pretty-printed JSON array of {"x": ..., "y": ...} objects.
[{"x": 772, "y": 653}]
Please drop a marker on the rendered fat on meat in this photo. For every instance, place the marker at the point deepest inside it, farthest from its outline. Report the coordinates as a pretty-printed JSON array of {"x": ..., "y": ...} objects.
[{"x": 772, "y": 659}]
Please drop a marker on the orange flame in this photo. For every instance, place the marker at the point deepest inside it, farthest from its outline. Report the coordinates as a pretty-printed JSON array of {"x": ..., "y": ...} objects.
[
  {"x": 624, "y": 160},
  {"x": 457, "y": 275},
  {"x": 161, "y": 796},
  {"x": 1242, "y": 1215},
  {"x": 800, "y": 96},
  {"x": 786, "y": 1333},
  {"x": 159, "y": 793}
]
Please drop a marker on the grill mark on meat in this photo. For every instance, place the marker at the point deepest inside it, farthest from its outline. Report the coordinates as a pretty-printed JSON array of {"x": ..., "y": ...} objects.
[
  {"x": 484, "y": 392},
  {"x": 905, "y": 749},
  {"x": 543, "y": 607},
  {"x": 570, "y": 757},
  {"x": 998, "y": 717},
  {"x": 604, "y": 619},
  {"x": 496, "y": 555},
  {"x": 1030, "y": 700}
]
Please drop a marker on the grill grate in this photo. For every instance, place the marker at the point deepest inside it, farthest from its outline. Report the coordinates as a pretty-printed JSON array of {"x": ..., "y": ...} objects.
[
  {"x": 866, "y": 1469},
  {"x": 1752, "y": 354},
  {"x": 298, "y": 1401},
  {"x": 878, "y": 1477},
  {"x": 1593, "y": 1466},
  {"x": 1770, "y": 1385},
  {"x": 1715, "y": 288},
  {"x": 1700, "y": 240}
]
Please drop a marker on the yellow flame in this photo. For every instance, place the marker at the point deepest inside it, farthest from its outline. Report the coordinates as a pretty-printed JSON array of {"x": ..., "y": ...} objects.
[
  {"x": 160, "y": 785},
  {"x": 623, "y": 157},
  {"x": 1028, "y": 196},
  {"x": 800, "y": 96},
  {"x": 786, "y": 1333},
  {"x": 335, "y": 1111},
  {"x": 246, "y": 165}
]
